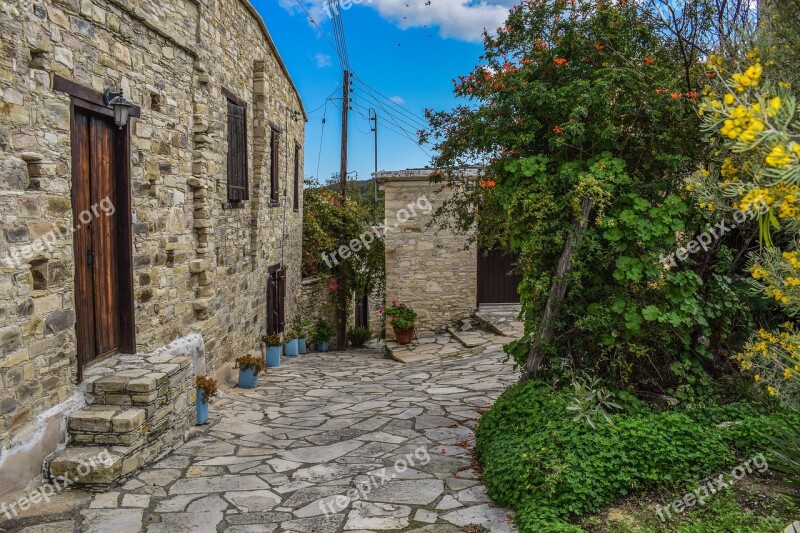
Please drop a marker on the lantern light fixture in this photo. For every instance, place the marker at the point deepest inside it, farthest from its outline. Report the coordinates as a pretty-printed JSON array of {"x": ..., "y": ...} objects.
[{"x": 120, "y": 105}]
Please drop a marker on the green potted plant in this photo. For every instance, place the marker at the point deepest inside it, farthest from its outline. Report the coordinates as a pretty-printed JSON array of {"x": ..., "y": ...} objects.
[
  {"x": 402, "y": 319},
  {"x": 292, "y": 346},
  {"x": 358, "y": 336},
  {"x": 322, "y": 334},
  {"x": 272, "y": 355},
  {"x": 249, "y": 367},
  {"x": 206, "y": 390},
  {"x": 307, "y": 332}
]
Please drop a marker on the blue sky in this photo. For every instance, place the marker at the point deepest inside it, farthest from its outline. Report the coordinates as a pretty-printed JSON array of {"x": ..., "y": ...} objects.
[{"x": 405, "y": 49}]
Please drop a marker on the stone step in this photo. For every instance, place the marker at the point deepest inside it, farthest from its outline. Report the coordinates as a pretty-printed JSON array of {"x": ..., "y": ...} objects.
[
  {"x": 103, "y": 424},
  {"x": 87, "y": 465},
  {"x": 470, "y": 339}
]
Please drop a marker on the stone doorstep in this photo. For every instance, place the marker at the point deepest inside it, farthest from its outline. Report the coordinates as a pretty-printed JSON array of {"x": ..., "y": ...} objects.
[{"x": 106, "y": 419}]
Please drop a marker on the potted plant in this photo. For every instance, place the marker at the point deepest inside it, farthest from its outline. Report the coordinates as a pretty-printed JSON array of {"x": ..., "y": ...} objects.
[
  {"x": 206, "y": 390},
  {"x": 292, "y": 348},
  {"x": 272, "y": 355},
  {"x": 249, "y": 367},
  {"x": 307, "y": 329},
  {"x": 322, "y": 333},
  {"x": 358, "y": 336},
  {"x": 401, "y": 318}
]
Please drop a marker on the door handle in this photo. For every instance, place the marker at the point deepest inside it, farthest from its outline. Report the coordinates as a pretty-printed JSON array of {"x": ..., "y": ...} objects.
[{"x": 89, "y": 257}]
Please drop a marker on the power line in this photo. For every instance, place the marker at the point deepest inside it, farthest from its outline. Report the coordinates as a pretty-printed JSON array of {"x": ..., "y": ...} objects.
[
  {"x": 400, "y": 108},
  {"x": 397, "y": 117},
  {"x": 399, "y": 131},
  {"x": 314, "y": 22}
]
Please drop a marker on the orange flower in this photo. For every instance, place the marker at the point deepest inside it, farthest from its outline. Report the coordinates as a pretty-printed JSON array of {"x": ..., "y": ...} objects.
[
  {"x": 487, "y": 184},
  {"x": 649, "y": 60},
  {"x": 560, "y": 61},
  {"x": 558, "y": 129},
  {"x": 598, "y": 46},
  {"x": 676, "y": 96}
]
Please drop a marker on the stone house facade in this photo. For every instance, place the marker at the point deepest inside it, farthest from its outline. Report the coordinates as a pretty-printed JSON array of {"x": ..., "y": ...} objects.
[
  {"x": 186, "y": 223},
  {"x": 442, "y": 275}
]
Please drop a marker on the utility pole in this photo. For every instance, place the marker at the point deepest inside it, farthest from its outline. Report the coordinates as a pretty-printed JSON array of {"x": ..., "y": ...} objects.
[
  {"x": 373, "y": 117},
  {"x": 341, "y": 309}
]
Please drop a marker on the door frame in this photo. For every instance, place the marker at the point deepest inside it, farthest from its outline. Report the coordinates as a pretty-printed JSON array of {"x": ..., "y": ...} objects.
[{"x": 89, "y": 100}]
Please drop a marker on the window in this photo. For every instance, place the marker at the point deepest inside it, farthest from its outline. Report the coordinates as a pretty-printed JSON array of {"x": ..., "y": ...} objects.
[
  {"x": 276, "y": 294},
  {"x": 237, "y": 153},
  {"x": 274, "y": 148},
  {"x": 297, "y": 177}
]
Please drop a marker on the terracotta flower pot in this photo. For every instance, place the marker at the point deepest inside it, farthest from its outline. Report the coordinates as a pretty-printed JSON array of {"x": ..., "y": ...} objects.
[{"x": 404, "y": 336}]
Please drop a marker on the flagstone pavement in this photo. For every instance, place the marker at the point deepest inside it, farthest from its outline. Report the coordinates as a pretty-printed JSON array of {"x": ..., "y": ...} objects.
[{"x": 347, "y": 441}]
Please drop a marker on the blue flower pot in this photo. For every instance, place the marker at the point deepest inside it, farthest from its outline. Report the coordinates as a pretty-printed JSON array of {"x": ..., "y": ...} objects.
[
  {"x": 301, "y": 345},
  {"x": 291, "y": 348},
  {"x": 273, "y": 358},
  {"x": 202, "y": 408},
  {"x": 322, "y": 346},
  {"x": 248, "y": 379}
]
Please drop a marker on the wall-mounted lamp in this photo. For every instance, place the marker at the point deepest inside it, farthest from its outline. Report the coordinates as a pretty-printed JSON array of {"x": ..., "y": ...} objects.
[{"x": 120, "y": 105}]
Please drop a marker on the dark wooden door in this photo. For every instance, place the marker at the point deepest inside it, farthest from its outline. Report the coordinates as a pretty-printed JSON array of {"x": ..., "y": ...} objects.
[
  {"x": 95, "y": 238},
  {"x": 276, "y": 295},
  {"x": 497, "y": 281},
  {"x": 362, "y": 311}
]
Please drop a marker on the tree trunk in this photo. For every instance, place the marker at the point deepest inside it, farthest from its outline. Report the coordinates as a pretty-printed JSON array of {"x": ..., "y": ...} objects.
[{"x": 557, "y": 292}]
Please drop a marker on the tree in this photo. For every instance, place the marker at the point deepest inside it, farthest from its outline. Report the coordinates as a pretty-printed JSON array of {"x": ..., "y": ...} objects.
[{"x": 583, "y": 115}]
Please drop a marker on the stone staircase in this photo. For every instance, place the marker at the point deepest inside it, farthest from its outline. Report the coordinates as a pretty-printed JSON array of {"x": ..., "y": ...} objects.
[
  {"x": 487, "y": 330},
  {"x": 138, "y": 407}
]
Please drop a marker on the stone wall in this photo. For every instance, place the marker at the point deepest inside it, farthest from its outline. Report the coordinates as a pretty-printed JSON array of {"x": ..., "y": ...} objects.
[
  {"x": 429, "y": 269},
  {"x": 199, "y": 265},
  {"x": 315, "y": 302}
]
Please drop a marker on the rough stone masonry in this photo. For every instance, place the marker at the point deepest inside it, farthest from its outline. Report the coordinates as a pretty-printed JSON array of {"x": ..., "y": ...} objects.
[{"x": 199, "y": 265}]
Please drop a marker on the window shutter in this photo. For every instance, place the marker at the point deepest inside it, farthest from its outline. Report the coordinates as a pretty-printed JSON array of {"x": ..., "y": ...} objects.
[
  {"x": 281, "y": 299},
  {"x": 296, "y": 178},
  {"x": 274, "y": 174},
  {"x": 237, "y": 153}
]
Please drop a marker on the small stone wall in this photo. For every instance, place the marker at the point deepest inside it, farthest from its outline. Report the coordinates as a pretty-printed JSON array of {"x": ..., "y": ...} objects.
[
  {"x": 315, "y": 302},
  {"x": 429, "y": 269}
]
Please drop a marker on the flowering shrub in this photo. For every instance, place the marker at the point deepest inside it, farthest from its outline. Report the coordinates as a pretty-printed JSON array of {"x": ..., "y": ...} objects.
[
  {"x": 774, "y": 360},
  {"x": 756, "y": 131},
  {"x": 271, "y": 340},
  {"x": 400, "y": 315}
]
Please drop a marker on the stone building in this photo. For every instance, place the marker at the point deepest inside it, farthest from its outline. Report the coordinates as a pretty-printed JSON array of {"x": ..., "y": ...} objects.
[
  {"x": 175, "y": 236},
  {"x": 440, "y": 274}
]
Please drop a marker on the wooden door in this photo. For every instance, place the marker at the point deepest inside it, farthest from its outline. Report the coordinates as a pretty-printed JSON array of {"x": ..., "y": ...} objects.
[
  {"x": 497, "y": 281},
  {"x": 94, "y": 181}
]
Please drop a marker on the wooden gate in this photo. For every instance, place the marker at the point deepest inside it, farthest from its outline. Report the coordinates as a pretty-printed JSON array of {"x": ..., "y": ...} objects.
[{"x": 497, "y": 281}]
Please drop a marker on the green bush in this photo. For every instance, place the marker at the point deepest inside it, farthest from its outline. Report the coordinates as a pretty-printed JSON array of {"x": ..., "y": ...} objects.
[
  {"x": 550, "y": 469},
  {"x": 358, "y": 336}
]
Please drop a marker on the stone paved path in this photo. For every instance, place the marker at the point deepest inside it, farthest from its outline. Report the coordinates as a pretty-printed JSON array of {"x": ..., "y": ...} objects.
[{"x": 327, "y": 443}]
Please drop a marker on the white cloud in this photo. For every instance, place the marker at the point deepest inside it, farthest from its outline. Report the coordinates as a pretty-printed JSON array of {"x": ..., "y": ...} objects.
[
  {"x": 323, "y": 60},
  {"x": 457, "y": 19},
  {"x": 397, "y": 99}
]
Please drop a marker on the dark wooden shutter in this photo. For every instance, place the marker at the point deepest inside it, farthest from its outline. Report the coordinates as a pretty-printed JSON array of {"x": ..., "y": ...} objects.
[
  {"x": 274, "y": 174},
  {"x": 281, "y": 299},
  {"x": 272, "y": 308},
  {"x": 296, "y": 178},
  {"x": 237, "y": 153}
]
